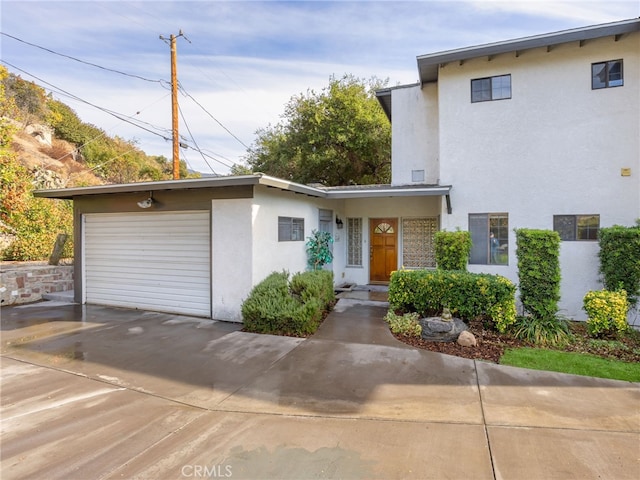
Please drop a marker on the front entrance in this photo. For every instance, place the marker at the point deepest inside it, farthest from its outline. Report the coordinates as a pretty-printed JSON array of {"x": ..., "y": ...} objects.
[{"x": 383, "y": 256}]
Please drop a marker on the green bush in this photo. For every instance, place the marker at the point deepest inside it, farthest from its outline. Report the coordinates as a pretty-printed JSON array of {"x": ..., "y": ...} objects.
[
  {"x": 607, "y": 312},
  {"x": 452, "y": 250},
  {"x": 468, "y": 295},
  {"x": 538, "y": 253},
  {"x": 406, "y": 324},
  {"x": 315, "y": 284},
  {"x": 277, "y": 306},
  {"x": 620, "y": 259},
  {"x": 551, "y": 331}
]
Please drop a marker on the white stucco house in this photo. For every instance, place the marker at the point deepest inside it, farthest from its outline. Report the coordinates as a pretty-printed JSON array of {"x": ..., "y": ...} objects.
[{"x": 540, "y": 132}]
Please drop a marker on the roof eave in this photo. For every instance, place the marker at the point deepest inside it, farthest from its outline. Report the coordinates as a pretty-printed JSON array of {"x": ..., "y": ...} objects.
[
  {"x": 389, "y": 192},
  {"x": 187, "y": 184},
  {"x": 428, "y": 64}
]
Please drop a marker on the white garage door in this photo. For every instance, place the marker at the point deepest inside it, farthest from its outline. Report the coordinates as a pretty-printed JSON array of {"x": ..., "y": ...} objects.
[{"x": 150, "y": 261}]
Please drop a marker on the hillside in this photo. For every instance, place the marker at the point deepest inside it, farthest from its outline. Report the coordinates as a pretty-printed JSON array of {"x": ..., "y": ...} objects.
[
  {"x": 44, "y": 144},
  {"x": 51, "y": 161}
]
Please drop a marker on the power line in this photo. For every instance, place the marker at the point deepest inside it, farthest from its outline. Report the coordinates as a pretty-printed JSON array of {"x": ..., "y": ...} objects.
[
  {"x": 81, "y": 61},
  {"x": 184, "y": 120},
  {"x": 114, "y": 114},
  {"x": 187, "y": 94}
]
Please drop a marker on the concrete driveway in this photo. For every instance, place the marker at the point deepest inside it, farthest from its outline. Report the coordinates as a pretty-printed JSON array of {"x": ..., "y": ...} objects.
[{"x": 94, "y": 392}]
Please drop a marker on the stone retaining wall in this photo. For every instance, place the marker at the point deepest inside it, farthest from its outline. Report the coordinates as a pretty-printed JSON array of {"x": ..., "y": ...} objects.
[{"x": 24, "y": 282}]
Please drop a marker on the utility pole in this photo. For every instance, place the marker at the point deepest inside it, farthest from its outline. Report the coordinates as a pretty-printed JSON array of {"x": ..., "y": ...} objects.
[{"x": 174, "y": 102}]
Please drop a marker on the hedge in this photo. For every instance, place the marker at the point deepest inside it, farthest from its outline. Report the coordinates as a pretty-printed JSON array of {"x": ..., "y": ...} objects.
[
  {"x": 452, "y": 249},
  {"x": 620, "y": 259},
  {"x": 468, "y": 295},
  {"x": 282, "y": 307},
  {"x": 538, "y": 253}
]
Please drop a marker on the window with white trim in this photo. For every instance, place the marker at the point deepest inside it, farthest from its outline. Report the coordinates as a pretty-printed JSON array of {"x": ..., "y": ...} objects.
[
  {"x": 290, "y": 229},
  {"x": 354, "y": 242}
]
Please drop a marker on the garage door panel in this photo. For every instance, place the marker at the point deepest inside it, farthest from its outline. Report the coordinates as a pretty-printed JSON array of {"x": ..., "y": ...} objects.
[{"x": 153, "y": 261}]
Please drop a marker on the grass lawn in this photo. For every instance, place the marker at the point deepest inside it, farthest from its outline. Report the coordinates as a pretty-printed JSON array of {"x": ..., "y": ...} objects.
[{"x": 571, "y": 362}]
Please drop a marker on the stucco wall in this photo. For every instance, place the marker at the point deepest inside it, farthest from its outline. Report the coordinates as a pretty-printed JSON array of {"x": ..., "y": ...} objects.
[
  {"x": 556, "y": 147},
  {"x": 397, "y": 207},
  {"x": 269, "y": 254},
  {"x": 414, "y": 144},
  {"x": 231, "y": 256}
]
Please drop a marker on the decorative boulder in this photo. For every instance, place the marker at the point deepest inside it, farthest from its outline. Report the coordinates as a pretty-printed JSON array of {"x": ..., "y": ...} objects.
[
  {"x": 435, "y": 329},
  {"x": 467, "y": 339}
]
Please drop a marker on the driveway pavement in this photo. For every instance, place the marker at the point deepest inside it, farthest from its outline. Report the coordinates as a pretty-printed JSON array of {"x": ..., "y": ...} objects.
[{"x": 91, "y": 392}]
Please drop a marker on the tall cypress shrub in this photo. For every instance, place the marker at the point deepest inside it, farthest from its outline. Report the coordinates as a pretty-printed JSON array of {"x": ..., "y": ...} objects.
[
  {"x": 452, "y": 250},
  {"x": 538, "y": 253},
  {"x": 620, "y": 259}
]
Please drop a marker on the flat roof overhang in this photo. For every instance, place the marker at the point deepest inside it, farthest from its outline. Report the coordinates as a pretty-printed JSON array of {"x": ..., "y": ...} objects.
[
  {"x": 428, "y": 64},
  {"x": 380, "y": 191},
  {"x": 334, "y": 193},
  {"x": 177, "y": 185}
]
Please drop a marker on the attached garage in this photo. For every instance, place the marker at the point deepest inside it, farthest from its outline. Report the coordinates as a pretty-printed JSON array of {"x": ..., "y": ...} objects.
[{"x": 158, "y": 261}]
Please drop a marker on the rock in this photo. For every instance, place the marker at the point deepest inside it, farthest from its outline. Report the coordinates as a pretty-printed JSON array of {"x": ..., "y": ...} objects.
[
  {"x": 467, "y": 339},
  {"x": 435, "y": 329}
]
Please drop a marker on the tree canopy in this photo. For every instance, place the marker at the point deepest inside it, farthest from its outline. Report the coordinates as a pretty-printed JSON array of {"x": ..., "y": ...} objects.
[{"x": 339, "y": 136}]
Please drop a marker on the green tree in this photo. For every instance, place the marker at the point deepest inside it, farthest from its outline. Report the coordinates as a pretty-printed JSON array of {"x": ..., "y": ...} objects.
[{"x": 339, "y": 136}]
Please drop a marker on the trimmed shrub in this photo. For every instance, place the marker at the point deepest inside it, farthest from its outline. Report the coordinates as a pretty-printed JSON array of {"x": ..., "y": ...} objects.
[
  {"x": 277, "y": 306},
  {"x": 452, "y": 250},
  {"x": 607, "y": 312},
  {"x": 467, "y": 295},
  {"x": 620, "y": 259},
  {"x": 316, "y": 284},
  {"x": 538, "y": 253},
  {"x": 406, "y": 324}
]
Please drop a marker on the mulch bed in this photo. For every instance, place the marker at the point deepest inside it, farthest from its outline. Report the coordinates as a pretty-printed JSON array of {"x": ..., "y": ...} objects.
[{"x": 491, "y": 344}]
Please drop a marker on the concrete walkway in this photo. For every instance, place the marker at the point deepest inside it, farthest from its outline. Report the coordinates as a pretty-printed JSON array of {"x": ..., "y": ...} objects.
[{"x": 94, "y": 392}]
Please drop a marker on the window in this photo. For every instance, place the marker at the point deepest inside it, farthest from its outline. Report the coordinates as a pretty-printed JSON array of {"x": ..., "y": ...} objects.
[
  {"x": 354, "y": 242},
  {"x": 606, "y": 74},
  {"x": 418, "y": 249},
  {"x": 290, "y": 229},
  {"x": 490, "y": 238},
  {"x": 491, "y": 88},
  {"x": 577, "y": 227}
]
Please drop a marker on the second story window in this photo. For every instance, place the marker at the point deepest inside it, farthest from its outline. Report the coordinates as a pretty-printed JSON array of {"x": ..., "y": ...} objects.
[
  {"x": 490, "y": 88},
  {"x": 606, "y": 74}
]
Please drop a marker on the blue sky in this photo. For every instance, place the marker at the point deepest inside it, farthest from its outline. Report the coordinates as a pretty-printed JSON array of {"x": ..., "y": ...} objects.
[{"x": 243, "y": 61}]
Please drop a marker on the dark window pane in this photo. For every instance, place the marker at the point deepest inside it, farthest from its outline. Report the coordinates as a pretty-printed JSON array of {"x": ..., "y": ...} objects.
[
  {"x": 588, "y": 227},
  {"x": 499, "y": 242},
  {"x": 479, "y": 230},
  {"x": 598, "y": 75},
  {"x": 565, "y": 225},
  {"x": 615, "y": 73},
  {"x": 481, "y": 90},
  {"x": 501, "y": 87}
]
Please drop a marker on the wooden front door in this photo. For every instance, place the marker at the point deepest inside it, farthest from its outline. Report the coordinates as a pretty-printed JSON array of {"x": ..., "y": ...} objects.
[{"x": 383, "y": 256}]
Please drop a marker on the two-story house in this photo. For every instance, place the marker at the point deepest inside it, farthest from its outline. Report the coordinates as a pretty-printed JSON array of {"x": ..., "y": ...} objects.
[{"x": 540, "y": 132}]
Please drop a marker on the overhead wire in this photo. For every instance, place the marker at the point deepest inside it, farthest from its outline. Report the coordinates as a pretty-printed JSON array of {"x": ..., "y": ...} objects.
[
  {"x": 123, "y": 117},
  {"x": 187, "y": 94},
  {"x": 184, "y": 120},
  {"x": 105, "y": 110},
  {"x": 81, "y": 61}
]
